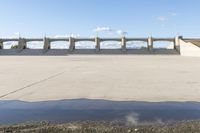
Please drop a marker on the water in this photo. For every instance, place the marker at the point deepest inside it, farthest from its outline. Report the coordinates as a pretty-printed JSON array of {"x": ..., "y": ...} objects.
[{"x": 12, "y": 112}]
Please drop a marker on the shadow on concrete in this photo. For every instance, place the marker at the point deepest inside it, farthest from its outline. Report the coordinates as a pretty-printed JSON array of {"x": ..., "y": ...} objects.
[
  {"x": 12, "y": 112},
  {"x": 65, "y": 52}
]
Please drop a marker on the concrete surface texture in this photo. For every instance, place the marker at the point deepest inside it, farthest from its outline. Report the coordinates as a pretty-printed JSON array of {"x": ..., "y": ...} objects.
[
  {"x": 190, "y": 48},
  {"x": 120, "y": 78}
]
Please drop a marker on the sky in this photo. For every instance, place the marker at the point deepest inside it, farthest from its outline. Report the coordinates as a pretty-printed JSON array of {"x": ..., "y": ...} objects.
[{"x": 88, "y": 18}]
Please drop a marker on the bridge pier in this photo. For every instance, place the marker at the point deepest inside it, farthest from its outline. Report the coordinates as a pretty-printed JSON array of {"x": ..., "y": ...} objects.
[
  {"x": 1, "y": 44},
  {"x": 150, "y": 43},
  {"x": 71, "y": 44},
  {"x": 177, "y": 43},
  {"x": 97, "y": 43},
  {"x": 47, "y": 43},
  {"x": 22, "y": 44},
  {"x": 123, "y": 45}
]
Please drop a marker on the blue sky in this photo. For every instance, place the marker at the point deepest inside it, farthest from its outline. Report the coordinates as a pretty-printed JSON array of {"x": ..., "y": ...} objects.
[{"x": 86, "y": 18}]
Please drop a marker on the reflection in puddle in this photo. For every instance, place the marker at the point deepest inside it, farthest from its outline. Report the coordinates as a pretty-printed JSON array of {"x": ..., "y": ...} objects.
[{"x": 12, "y": 112}]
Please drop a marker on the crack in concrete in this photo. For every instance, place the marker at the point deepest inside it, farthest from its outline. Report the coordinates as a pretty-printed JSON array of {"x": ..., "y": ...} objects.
[{"x": 32, "y": 84}]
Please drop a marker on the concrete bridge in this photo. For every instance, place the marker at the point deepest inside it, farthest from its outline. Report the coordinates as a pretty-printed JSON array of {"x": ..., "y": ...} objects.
[
  {"x": 22, "y": 42},
  {"x": 177, "y": 41},
  {"x": 120, "y": 78}
]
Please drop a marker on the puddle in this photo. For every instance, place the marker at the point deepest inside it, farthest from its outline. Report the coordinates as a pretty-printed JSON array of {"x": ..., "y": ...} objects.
[{"x": 14, "y": 112}]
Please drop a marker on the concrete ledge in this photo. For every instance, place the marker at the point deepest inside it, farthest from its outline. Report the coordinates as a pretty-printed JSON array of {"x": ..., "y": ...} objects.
[{"x": 63, "y": 52}]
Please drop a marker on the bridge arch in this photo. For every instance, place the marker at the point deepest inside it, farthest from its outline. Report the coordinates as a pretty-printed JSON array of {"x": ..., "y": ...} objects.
[
  {"x": 34, "y": 43},
  {"x": 136, "y": 44},
  {"x": 164, "y": 43},
  {"x": 84, "y": 43},
  {"x": 59, "y": 44},
  {"x": 8, "y": 43},
  {"x": 110, "y": 45}
]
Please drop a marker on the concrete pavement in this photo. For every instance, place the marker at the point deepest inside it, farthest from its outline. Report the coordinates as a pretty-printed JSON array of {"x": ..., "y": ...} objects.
[{"x": 112, "y": 77}]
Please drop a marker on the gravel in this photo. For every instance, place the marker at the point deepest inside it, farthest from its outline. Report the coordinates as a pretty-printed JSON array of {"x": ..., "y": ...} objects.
[{"x": 104, "y": 127}]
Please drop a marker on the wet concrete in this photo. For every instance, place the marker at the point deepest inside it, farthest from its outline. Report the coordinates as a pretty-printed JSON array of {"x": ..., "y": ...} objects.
[{"x": 12, "y": 112}]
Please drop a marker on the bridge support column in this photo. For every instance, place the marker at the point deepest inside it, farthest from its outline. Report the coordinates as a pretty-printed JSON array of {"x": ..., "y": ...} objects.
[
  {"x": 177, "y": 43},
  {"x": 22, "y": 44},
  {"x": 150, "y": 43},
  {"x": 97, "y": 44},
  {"x": 47, "y": 43},
  {"x": 71, "y": 44},
  {"x": 123, "y": 44},
  {"x": 1, "y": 44}
]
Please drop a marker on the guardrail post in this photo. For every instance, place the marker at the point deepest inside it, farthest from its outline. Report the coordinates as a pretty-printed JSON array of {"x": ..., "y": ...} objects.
[
  {"x": 150, "y": 43},
  {"x": 47, "y": 44},
  {"x": 97, "y": 44},
  {"x": 71, "y": 44},
  {"x": 123, "y": 44},
  {"x": 22, "y": 44}
]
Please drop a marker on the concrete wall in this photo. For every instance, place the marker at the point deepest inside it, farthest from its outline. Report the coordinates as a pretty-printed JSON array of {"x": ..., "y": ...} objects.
[
  {"x": 64, "y": 52},
  {"x": 189, "y": 49}
]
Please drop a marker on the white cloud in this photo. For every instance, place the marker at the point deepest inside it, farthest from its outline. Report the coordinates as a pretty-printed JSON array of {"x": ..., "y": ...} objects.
[
  {"x": 173, "y": 14},
  {"x": 14, "y": 35},
  {"x": 17, "y": 34},
  {"x": 67, "y": 35},
  {"x": 92, "y": 36},
  {"x": 167, "y": 17},
  {"x": 102, "y": 29},
  {"x": 122, "y": 33},
  {"x": 61, "y": 36},
  {"x": 162, "y": 18},
  {"x": 74, "y": 35},
  {"x": 110, "y": 31}
]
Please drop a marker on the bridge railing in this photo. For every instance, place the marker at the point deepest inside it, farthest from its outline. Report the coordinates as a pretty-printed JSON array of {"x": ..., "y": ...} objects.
[{"x": 22, "y": 42}]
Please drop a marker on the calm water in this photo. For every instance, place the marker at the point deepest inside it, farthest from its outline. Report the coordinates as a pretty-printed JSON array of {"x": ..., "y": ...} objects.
[{"x": 12, "y": 112}]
